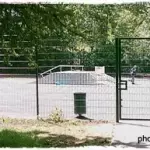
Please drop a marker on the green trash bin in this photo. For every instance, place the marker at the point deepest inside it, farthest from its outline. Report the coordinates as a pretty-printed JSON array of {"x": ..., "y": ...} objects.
[{"x": 80, "y": 103}]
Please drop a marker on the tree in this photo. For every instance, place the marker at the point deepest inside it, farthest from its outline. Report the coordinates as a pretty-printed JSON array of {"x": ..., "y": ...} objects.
[{"x": 79, "y": 31}]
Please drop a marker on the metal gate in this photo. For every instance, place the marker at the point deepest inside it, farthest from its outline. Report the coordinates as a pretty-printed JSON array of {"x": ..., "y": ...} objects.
[{"x": 133, "y": 78}]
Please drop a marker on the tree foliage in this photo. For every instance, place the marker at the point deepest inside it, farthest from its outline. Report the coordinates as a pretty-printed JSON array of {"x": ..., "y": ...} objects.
[{"x": 85, "y": 32}]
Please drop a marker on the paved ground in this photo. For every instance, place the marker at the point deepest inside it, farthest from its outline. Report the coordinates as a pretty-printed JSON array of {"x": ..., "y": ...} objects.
[
  {"x": 91, "y": 148},
  {"x": 18, "y": 99},
  {"x": 88, "y": 148},
  {"x": 136, "y": 100},
  {"x": 130, "y": 134}
]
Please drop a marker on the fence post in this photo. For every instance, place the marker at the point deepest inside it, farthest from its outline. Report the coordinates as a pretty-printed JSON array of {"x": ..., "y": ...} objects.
[
  {"x": 117, "y": 75},
  {"x": 37, "y": 84}
]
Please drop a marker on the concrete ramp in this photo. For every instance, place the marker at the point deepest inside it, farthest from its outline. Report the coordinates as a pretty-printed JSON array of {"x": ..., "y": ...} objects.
[{"x": 76, "y": 78}]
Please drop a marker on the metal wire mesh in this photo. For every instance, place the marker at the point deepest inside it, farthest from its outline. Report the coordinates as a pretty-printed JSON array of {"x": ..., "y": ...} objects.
[
  {"x": 58, "y": 86},
  {"x": 17, "y": 78},
  {"x": 135, "y": 100},
  {"x": 68, "y": 72}
]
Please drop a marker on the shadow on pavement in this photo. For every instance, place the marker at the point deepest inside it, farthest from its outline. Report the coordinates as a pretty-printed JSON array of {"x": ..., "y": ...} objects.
[
  {"x": 130, "y": 144},
  {"x": 83, "y": 118},
  {"x": 133, "y": 124}
]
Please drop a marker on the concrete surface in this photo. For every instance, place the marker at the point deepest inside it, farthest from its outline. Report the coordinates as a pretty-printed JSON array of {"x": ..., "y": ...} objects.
[
  {"x": 90, "y": 148},
  {"x": 129, "y": 134},
  {"x": 136, "y": 99},
  {"x": 18, "y": 99}
]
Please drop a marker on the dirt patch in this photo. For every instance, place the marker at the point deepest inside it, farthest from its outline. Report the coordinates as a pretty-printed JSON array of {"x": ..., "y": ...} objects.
[{"x": 81, "y": 131}]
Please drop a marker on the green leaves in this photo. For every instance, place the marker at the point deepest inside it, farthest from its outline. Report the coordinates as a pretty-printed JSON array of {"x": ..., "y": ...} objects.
[{"x": 79, "y": 27}]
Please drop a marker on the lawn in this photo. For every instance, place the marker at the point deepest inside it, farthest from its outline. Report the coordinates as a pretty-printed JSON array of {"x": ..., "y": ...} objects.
[{"x": 44, "y": 133}]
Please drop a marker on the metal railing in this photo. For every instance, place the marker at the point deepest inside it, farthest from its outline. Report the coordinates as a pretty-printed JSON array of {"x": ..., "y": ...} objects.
[{"x": 62, "y": 66}]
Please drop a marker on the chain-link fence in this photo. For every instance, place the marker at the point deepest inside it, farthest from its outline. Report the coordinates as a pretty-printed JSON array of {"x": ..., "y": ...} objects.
[
  {"x": 37, "y": 78},
  {"x": 134, "y": 69},
  {"x": 17, "y": 78},
  {"x": 78, "y": 82}
]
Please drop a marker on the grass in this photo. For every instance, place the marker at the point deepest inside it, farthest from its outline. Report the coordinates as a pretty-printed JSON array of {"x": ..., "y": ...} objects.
[
  {"x": 31, "y": 133},
  {"x": 12, "y": 138},
  {"x": 15, "y": 139}
]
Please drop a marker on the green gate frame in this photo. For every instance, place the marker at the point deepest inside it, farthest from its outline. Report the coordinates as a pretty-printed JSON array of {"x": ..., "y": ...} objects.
[{"x": 119, "y": 81}]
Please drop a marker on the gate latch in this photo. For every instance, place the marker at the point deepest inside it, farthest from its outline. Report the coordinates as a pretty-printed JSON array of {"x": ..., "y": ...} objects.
[{"x": 124, "y": 82}]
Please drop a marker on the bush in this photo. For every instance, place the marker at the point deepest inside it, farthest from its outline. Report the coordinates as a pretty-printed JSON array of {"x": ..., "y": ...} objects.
[{"x": 56, "y": 116}]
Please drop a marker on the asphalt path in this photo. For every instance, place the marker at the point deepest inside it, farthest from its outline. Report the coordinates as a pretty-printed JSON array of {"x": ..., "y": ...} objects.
[{"x": 18, "y": 99}]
